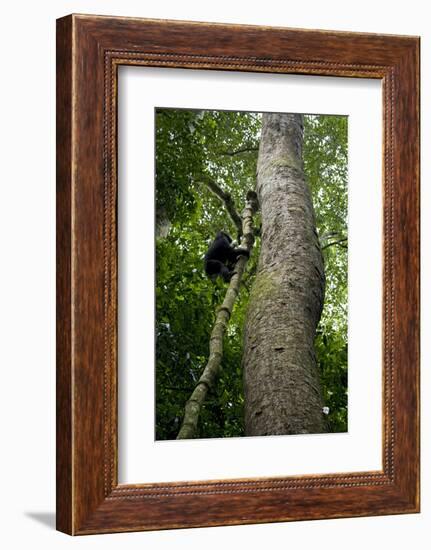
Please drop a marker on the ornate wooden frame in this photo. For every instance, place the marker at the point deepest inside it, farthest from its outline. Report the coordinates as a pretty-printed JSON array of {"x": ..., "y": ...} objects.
[{"x": 89, "y": 51}]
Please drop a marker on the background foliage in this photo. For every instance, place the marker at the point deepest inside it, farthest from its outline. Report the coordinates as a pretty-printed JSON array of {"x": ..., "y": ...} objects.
[{"x": 192, "y": 147}]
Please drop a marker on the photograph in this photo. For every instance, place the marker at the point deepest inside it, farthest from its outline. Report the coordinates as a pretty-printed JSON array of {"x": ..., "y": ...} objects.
[
  {"x": 237, "y": 273},
  {"x": 215, "y": 259},
  {"x": 251, "y": 285}
]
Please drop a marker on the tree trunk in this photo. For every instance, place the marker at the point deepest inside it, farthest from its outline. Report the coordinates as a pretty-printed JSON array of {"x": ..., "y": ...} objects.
[
  {"x": 163, "y": 224},
  {"x": 213, "y": 367},
  {"x": 281, "y": 378}
]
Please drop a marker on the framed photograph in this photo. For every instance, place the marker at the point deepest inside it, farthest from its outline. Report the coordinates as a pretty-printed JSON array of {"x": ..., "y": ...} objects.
[{"x": 237, "y": 274}]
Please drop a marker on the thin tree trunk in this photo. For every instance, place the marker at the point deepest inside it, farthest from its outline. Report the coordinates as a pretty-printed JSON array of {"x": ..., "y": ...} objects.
[
  {"x": 163, "y": 224},
  {"x": 281, "y": 378},
  {"x": 213, "y": 367}
]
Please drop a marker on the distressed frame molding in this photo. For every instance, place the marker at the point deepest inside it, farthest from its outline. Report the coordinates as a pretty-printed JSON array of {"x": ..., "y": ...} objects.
[{"x": 89, "y": 51}]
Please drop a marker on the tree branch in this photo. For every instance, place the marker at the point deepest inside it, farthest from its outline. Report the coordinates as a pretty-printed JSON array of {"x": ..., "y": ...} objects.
[
  {"x": 213, "y": 366},
  {"x": 228, "y": 201},
  {"x": 344, "y": 239},
  {"x": 330, "y": 234},
  {"x": 239, "y": 151}
]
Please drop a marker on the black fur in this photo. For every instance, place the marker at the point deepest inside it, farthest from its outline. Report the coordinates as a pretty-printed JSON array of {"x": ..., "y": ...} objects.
[{"x": 222, "y": 256}]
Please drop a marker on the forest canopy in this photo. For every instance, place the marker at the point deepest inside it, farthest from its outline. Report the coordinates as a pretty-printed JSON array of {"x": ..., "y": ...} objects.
[{"x": 195, "y": 148}]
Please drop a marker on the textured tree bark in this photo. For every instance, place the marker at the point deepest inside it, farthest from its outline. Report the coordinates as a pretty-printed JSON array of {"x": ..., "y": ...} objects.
[{"x": 281, "y": 378}]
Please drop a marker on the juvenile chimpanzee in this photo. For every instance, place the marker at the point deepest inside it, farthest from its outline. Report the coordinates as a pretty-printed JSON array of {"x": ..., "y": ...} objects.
[{"x": 221, "y": 257}]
